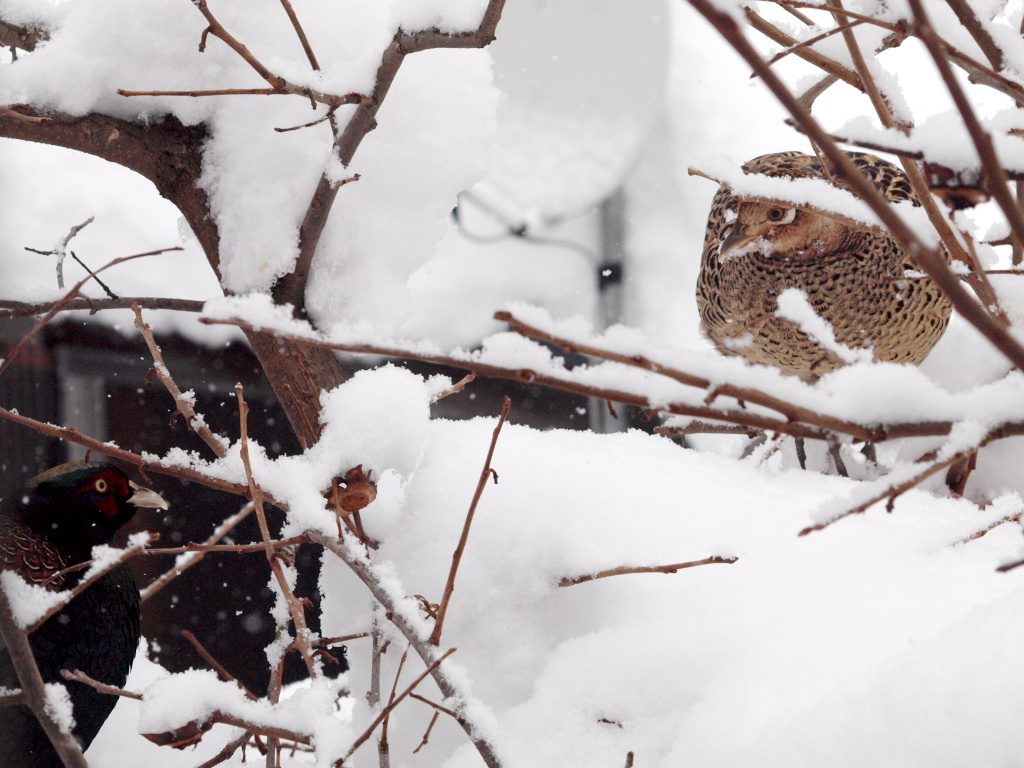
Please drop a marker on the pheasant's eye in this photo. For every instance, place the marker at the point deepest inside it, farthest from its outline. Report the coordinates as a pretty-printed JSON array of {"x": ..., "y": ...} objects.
[
  {"x": 781, "y": 215},
  {"x": 101, "y": 485}
]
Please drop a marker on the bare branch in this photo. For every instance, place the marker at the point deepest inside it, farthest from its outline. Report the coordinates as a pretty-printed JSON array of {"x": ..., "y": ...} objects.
[
  {"x": 229, "y": 749},
  {"x": 184, "y": 404},
  {"x": 485, "y": 475},
  {"x": 302, "y": 633},
  {"x": 383, "y": 753},
  {"x": 291, "y": 288},
  {"x": 892, "y": 491},
  {"x": 798, "y": 421},
  {"x": 435, "y": 705},
  {"x": 179, "y": 568},
  {"x": 287, "y": 89},
  {"x": 812, "y": 40},
  {"x": 981, "y": 35},
  {"x": 454, "y": 388},
  {"x": 32, "y": 686},
  {"x": 391, "y": 705},
  {"x": 217, "y": 30},
  {"x": 364, "y": 570},
  {"x": 26, "y": 309},
  {"x": 83, "y": 585},
  {"x": 430, "y": 727},
  {"x": 301, "y": 33},
  {"x": 569, "y": 581},
  {"x": 67, "y": 298},
  {"x": 61, "y": 250},
  {"x": 819, "y": 60},
  {"x": 992, "y": 170},
  {"x": 79, "y": 676}
]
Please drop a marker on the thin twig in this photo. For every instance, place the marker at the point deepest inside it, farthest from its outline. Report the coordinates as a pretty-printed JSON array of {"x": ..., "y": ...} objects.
[
  {"x": 454, "y": 388},
  {"x": 435, "y": 705},
  {"x": 238, "y": 549},
  {"x": 79, "y": 676},
  {"x": 970, "y": 22},
  {"x": 704, "y": 428},
  {"x": 59, "y": 305},
  {"x": 383, "y": 753},
  {"x": 302, "y": 633},
  {"x": 355, "y": 558},
  {"x": 217, "y": 30},
  {"x": 822, "y": 62},
  {"x": 217, "y": 666},
  {"x": 183, "y": 565},
  {"x": 60, "y": 250},
  {"x": 426, "y": 734},
  {"x": 83, "y": 585},
  {"x": 893, "y": 491},
  {"x": 27, "y": 309},
  {"x": 997, "y": 183},
  {"x": 229, "y": 749},
  {"x": 291, "y": 288},
  {"x": 812, "y": 40},
  {"x": 330, "y": 100},
  {"x": 1012, "y": 518},
  {"x": 185, "y": 405},
  {"x": 15, "y": 641},
  {"x": 301, "y": 34},
  {"x": 391, "y": 705},
  {"x": 485, "y": 475},
  {"x": 569, "y": 581},
  {"x": 377, "y": 648}
]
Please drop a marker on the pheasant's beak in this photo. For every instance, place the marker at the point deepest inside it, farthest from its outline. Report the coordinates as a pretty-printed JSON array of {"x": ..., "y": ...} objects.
[
  {"x": 737, "y": 239},
  {"x": 143, "y": 497}
]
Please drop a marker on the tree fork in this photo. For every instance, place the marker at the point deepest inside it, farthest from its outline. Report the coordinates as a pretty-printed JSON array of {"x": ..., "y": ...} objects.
[{"x": 169, "y": 154}]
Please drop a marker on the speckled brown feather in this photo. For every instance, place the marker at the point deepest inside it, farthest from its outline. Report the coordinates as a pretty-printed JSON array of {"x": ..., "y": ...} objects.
[
  {"x": 857, "y": 283},
  {"x": 34, "y": 558}
]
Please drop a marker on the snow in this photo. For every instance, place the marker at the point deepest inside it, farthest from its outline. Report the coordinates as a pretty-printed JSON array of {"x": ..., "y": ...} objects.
[
  {"x": 816, "y": 193},
  {"x": 105, "y": 557},
  {"x": 884, "y": 639},
  {"x": 794, "y": 306},
  {"x": 58, "y": 706},
  {"x": 794, "y": 620},
  {"x": 29, "y": 602}
]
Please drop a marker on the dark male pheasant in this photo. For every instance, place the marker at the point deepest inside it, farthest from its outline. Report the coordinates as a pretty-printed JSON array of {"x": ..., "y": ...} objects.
[
  {"x": 51, "y": 524},
  {"x": 853, "y": 279}
]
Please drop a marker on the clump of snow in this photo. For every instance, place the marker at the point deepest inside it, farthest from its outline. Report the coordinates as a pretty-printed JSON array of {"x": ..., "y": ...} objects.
[
  {"x": 377, "y": 419},
  {"x": 429, "y": 145},
  {"x": 59, "y": 707},
  {"x": 452, "y": 16},
  {"x": 259, "y": 311},
  {"x": 440, "y": 114},
  {"x": 816, "y": 193},
  {"x": 794, "y": 306},
  {"x": 29, "y": 602},
  {"x": 104, "y": 557}
]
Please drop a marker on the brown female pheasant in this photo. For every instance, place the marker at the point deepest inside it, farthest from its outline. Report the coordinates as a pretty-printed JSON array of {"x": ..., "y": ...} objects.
[{"x": 855, "y": 280}]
